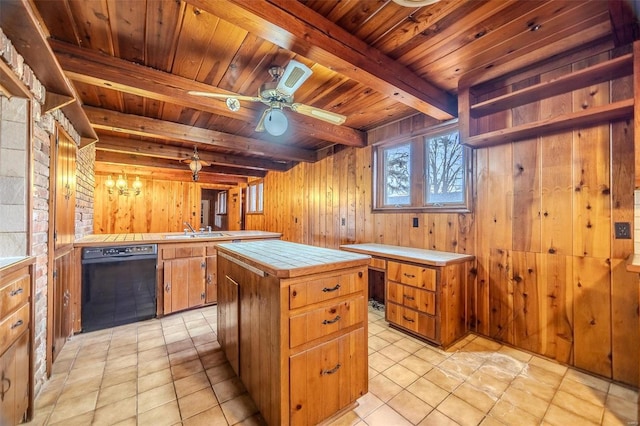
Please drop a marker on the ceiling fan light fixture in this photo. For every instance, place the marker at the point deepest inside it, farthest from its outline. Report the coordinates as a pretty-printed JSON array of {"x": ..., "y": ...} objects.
[
  {"x": 294, "y": 75},
  {"x": 415, "y": 3},
  {"x": 275, "y": 122}
]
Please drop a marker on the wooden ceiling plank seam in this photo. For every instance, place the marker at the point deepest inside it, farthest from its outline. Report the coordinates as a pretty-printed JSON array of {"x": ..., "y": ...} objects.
[
  {"x": 104, "y": 71},
  {"x": 507, "y": 65},
  {"x": 120, "y": 122},
  {"x": 193, "y": 42},
  {"x": 324, "y": 42},
  {"x": 160, "y": 41},
  {"x": 127, "y": 30},
  {"x": 468, "y": 58},
  {"x": 157, "y": 150},
  {"x": 392, "y": 15},
  {"x": 479, "y": 26},
  {"x": 425, "y": 20},
  {"x": 221, "y": 52}
]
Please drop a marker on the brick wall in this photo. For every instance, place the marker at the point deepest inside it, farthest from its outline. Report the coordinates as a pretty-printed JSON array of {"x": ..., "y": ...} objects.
[{"x": 44, "y": 126}]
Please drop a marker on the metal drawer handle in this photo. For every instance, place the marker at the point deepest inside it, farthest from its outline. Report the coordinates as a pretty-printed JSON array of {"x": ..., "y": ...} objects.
[
  {"x": 409, "y": 275},
  {"x": 17, "y": 324},
  {"x": 326, "y": 290},
  {"x": 16, "y": 292},
  {"x": 408, "y": 319},
  {"x": 336, "y": 319},
  {"x": 406, "y": 296},
  {"x": 333, "y": 370}
]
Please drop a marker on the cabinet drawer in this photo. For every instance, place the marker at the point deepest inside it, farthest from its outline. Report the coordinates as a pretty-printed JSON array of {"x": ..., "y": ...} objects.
[
  {"x": 327, "y": 378},
  {"x": 323, "y": 321},
  {"x": 417, "y": 276},
  {"x": 411, "y": 297},
  {"x": 422, "y": 324},
  {"x": 377, "y": 263},
  {"x": 325, "y": 288},
  {"x": 13, "y": 295},
  {"x": 12, "y": 326}
]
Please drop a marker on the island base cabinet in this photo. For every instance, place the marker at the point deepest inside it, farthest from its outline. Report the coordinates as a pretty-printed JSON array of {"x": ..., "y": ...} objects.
[{"x": 327, "y": 378}]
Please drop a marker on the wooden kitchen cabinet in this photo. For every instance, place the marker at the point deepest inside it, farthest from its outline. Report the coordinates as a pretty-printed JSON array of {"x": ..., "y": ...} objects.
[
  {"x": 62, "y": 309},
  {"x": 299, "y": 317},
  {"x": 183, "y": 276},
  {"x": 425, "y": 291},
  {"x": 16, "y": 334},
  {"x": 211, "y": 284}
]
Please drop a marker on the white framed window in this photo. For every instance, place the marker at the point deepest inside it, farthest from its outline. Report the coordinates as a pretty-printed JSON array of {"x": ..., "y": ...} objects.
[
  {"x": 255, "y": 197},
  {"x": 221, "y": 205},
  {"x": 430, "y": 172}
]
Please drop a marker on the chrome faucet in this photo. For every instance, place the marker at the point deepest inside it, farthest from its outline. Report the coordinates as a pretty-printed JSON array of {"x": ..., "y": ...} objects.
[{"x": 188, "y": 225}]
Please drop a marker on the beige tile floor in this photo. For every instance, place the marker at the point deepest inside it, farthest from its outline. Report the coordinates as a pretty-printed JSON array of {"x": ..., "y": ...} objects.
[{"x": 172, "y": 372}]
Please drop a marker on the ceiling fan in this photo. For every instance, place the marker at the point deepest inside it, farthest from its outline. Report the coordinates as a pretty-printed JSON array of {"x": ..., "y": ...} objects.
[{"x": 277, "y": 95}]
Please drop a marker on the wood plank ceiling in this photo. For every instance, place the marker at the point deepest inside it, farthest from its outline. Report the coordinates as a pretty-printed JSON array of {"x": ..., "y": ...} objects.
[{"x": 374, "y": 61}]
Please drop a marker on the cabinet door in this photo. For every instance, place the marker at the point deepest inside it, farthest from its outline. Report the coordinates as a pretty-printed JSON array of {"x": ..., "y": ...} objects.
[
  {"x": 211, "y": 290},
  {"x": 65, "y": 188},
  {"x": 228, "y": 322},
  {"x": 327, "y": 378},
  {"x": 8, "y": 410},
  {"x": 183, "y": 284},
  {"x": 62, "y": 317},
  {"x": 22, "y": 377}
]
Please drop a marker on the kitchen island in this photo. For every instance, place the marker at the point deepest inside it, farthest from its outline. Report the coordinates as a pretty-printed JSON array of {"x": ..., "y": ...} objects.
[{"x": 292, "y": 321}]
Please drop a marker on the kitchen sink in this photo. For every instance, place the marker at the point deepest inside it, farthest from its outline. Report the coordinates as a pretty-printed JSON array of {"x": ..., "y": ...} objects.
[{"x": 191, "y": 236}]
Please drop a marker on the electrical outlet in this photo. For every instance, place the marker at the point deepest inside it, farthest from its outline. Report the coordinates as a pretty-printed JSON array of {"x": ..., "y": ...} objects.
[
  {"x": 343, "y": 222},
  {"x": 622, "y": 230},
  {"x": 415, "y": 222}
]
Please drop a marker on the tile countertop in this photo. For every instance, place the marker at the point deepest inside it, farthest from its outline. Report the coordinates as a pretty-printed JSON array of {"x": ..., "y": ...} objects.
[
  {"x": 410, "y": 254},
  {"x": 287, "y": 260},
  {"x": 95, "y": 240},
  {"x": 16, "y": 261}
]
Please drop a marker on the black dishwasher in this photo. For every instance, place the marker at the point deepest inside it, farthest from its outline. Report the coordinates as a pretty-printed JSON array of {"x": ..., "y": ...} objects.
[{"x": 118, "y": 285}]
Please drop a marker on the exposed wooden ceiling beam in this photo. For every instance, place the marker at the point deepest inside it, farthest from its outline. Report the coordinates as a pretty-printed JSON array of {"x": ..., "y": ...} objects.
[
  {"x": 250, "y": 165},
  {"x": 144, "y": 126},
  {"x": 624, "y": 21},
  {"x": 91, "y": 67},
  {"x": 209, "y": 179},
  {"x": 141, "y": 160},
  {"x": 293, "y": 26}
]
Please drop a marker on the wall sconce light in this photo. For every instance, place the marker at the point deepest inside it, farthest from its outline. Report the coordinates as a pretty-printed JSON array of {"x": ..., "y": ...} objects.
[{"x": 122, "y": 186}]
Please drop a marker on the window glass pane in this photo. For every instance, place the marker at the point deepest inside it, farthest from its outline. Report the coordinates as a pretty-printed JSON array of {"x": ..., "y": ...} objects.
[
  {"x": 444, "y": 169},
  {"x": 260, "y": 189},
  {"x": 397, "y": 172}
]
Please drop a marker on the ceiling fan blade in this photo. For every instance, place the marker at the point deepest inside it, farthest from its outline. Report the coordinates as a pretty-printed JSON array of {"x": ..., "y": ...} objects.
[
  {"x": 321, "y": 114},
  {"x": 224, "y": 96},
  {"x": 260, "y": 126},
  {"x": 292, "y": 78}
]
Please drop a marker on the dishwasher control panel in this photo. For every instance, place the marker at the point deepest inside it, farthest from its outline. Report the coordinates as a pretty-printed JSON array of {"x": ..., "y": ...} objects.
[{"x": 119, "y": 251}]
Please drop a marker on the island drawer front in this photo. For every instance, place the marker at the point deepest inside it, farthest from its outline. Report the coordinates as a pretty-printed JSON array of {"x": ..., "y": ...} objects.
[
  {"x": 417, "y": 276},
  {"x": 321, "y": 289},
  {"x": 327, "y": 378},
  {"x": 324, "y": 321},
  {"x": 412, "y": 320},
  {"x": 411, "y": 297},
  {"x": 13, "y": 326},
  {"x": 14, "y": 294}
]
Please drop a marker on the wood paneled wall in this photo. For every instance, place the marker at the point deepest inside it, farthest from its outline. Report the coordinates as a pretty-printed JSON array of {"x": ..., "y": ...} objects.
[
  {"x": 551, "y": 279},
  {"x": 162, "y": 206}
]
